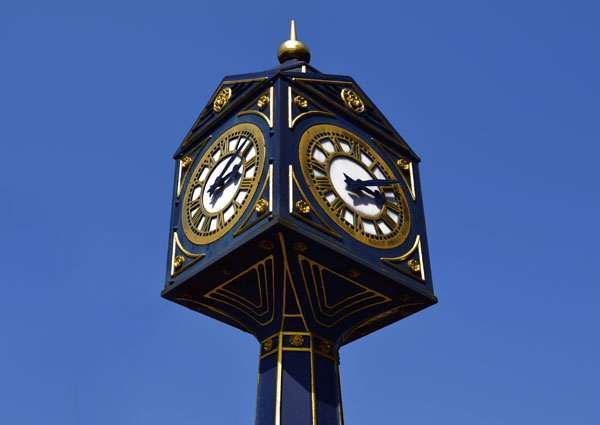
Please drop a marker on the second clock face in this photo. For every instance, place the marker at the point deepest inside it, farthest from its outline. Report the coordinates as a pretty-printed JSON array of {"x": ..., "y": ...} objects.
[
  {"x": 355, "y": 186},
  {"x": 223, "y": 183}
]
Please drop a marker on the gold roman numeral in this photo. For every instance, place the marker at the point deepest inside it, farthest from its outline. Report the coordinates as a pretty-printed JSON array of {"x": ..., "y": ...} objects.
[
  {"x": 338, "y": 207},
  {"x": 196, "y": 219},
  {"x": 323, "y": 184},
  {"x": 392, "y": 206},
  {"x": 250, "y": 163},
  {"x": 319, "y": 166},
  {"x": 389, "y": 221},
  {"x": 206, "y": 225},
  {"x": 246, "y": 184}
]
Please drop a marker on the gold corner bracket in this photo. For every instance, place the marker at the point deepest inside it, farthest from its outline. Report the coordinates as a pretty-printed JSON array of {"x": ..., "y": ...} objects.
[{"x": 417, "y": 270}]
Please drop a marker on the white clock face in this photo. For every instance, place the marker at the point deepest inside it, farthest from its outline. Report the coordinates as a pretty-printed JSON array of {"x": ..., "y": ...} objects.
[
  {"x": 355, "y": 186},
  {"x": 230, "y": 166},
  {"x": 223, "y": 183}
]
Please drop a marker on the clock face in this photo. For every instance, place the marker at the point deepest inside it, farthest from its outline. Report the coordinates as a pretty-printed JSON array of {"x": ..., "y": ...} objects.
[
  {"x": 355, "y": 186},
  {"x": 223, "y": 183}
]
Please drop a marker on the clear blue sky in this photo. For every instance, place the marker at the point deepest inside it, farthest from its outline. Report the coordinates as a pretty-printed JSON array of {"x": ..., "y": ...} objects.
[{"x": 500, "y": 100}]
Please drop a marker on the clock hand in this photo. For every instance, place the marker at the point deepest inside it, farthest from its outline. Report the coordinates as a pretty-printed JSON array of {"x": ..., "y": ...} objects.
[
  {"x": 220, "y": 180},
  {"x": 233, "y": 171},
  {"x": 377, "y": 182},
  {"x": 359, "y": 184}
]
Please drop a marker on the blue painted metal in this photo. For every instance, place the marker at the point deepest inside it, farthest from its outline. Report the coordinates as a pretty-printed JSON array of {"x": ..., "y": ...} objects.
[{"x": 280, "y": 297}]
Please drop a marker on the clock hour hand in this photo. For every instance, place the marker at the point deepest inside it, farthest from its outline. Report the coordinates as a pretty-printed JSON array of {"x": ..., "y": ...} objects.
[
  {"x": 220, "y": 180},
  {"x": 359, "y": 184}
]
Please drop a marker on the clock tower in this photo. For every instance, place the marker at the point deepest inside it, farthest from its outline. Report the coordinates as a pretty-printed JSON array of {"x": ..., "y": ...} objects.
[{"x": 297, "y": 217}]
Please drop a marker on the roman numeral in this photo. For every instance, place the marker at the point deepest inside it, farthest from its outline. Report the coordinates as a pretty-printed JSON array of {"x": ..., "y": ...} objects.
[
  {"x": 389, "y": 221},
  {"x": 196, "y": 219},
  {"x": 246, "y": 184},
  {"x": 392, "y": 206},
  {"x": 220, "y": 222},
  {"x": 338, "y": 206},
  {"x": 206, "y": 225},
  {"x": 195, "y": 204},
  {"x": 250, "y": 163},
  {"x": 355, "y": 150},
  {"x": 358, "y": 224},
  {"x": 318, "y": 166},
  {"x": 323, "y": 184},
  {"x": 336, "y": 144}
]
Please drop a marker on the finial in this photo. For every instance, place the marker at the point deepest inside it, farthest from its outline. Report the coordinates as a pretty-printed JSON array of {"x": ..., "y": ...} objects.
[{"x": 293, "y": 49}]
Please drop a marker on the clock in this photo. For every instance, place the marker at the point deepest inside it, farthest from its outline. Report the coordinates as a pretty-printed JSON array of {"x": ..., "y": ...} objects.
[
  {"x": 355, "y": 186},
  {"x": 223, "y": 183}
]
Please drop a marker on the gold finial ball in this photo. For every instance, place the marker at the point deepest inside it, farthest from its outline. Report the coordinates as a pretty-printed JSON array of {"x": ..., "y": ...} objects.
[{"x": 293, "y": 49}]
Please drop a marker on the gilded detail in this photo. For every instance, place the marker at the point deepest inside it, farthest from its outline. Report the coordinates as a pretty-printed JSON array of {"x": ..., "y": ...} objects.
[
  {"x": 300, "y": 246},
  {"x": 414, "y": 266},
  {"x": 268, "y": 345},
  {"x": 353, "y": 273},
  {"x": 178, "y": 261},
  {"x": 186, "y": 161},
  {"x": 303, "y": 207},
  {"x": 266, "y": 245},
  {"x": 261, "y": 206},
  {"x": 325, "y": 347},
  {"x": 222, "y": 99},
  {"x": 297, "y": 340},
  {"x": 301, "y": 102},
  {"x": 403, "y": 163},
  {"x": 262, "y": 102},
  {"x": 353, "y": 101}
]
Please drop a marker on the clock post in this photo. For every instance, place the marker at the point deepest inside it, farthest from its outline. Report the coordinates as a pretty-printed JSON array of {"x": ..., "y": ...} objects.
[{"x": 297, "y": 217}]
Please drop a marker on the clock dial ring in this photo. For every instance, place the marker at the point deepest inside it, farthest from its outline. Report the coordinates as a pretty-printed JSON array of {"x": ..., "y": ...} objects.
[
  {"x": 223, "y": 183},
  {"x": 367, "y": 200}
]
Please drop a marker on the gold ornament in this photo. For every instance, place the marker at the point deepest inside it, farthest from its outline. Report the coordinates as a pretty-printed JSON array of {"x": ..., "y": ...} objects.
[
  {"x": 353, "y": 273},
  {"x": 186, "y": 161},
  {"x": 403, "y": 163},
  {"x": 261, "y": 206},
  {"x": 414, "y": 266},
  {"x": 293, "y": 49},
  {"x": 268, "y": 345},
  {"x": 325, "y": 346},
  {"x": 301, "y": 102},
  {"x": 300, "y": 246},
  {"x": 178, "y": 261},
  {"x": 262, "y": 103},
  {"x": 222, "y": 99},
  {"x": 266, "y": 245},
  {"x": 353, "y": 101},
  {"x": 297, "y": 340},
  {"x": 303, "y": 207}
]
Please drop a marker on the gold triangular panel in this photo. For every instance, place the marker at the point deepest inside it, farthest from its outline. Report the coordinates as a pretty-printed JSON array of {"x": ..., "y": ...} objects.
[
  {"x": 410, "y": 263},
  {"x": 263, "y": 207},
  {"x": 262, "y": 106},
  {"x": 300, "y": 106},
  {"x": 251, "y": 292},
  {"x": 301, "y": 208},
  {"x": 333, "y": 296},
  {"x": 332, "y": 92},
  {"x": 181, "y": 259}
]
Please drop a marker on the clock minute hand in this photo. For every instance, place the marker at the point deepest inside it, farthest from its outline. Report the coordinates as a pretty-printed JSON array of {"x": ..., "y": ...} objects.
[
  {"x": 376, "y": 182},
  {"x": 359, "y": 184}
]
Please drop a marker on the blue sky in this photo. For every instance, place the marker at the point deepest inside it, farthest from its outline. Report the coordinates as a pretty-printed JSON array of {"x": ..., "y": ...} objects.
[{"x": 499, "y": 99}]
